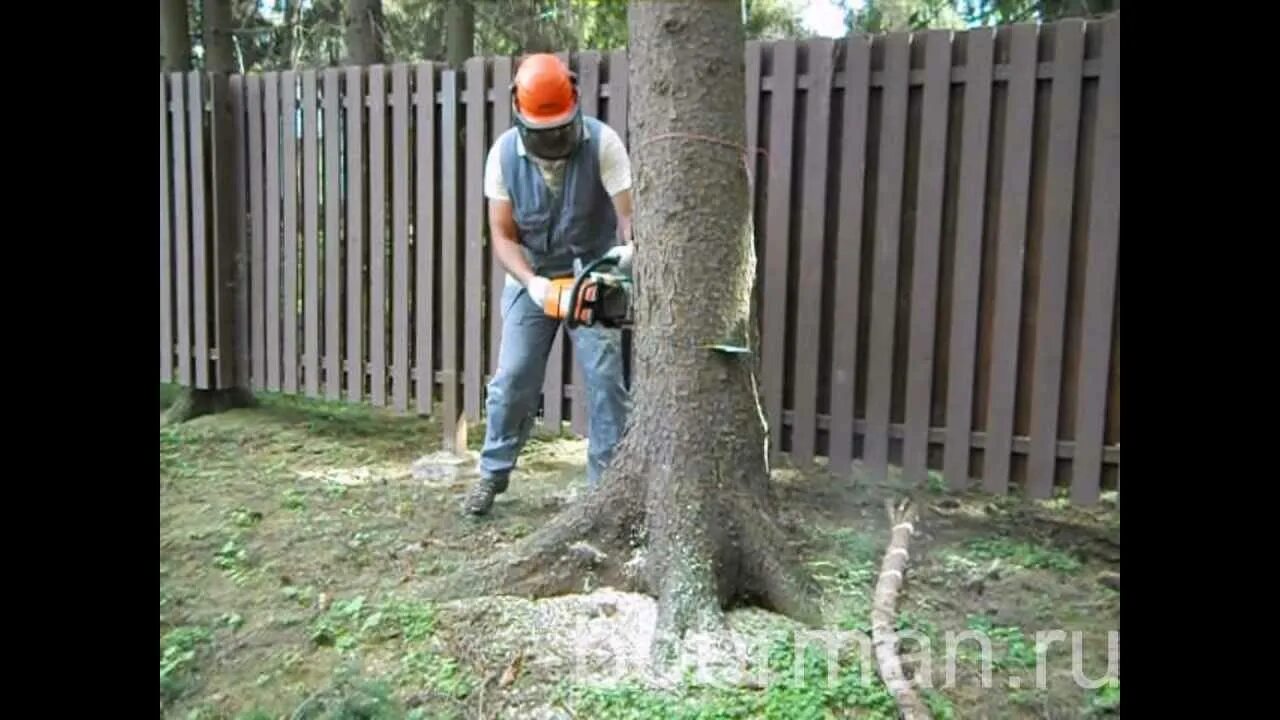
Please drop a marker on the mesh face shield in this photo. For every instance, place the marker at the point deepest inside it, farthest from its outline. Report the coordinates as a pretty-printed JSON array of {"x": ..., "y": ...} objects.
[
  {"x": 546, "y": 141},
  {"x": 552, "y": 143}
]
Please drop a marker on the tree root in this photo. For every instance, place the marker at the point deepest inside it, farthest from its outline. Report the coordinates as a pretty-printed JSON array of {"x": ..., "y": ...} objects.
[
  {"x": 785, "y": 587},
  {"x": 192, "y": 403},
  {"x": 728, "y": 550},
  {"x": 586, "y": 539},
  {"x": 883, "y": 612}
]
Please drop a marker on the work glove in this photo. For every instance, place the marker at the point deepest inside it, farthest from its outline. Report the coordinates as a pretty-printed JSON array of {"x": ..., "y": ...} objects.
[
  {"x": 538, "y": 288},
  {"x": 622, "y": 254}
]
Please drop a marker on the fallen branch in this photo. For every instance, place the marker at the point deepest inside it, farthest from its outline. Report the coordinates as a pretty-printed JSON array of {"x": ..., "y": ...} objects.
[{"x": 883, "y": 613}]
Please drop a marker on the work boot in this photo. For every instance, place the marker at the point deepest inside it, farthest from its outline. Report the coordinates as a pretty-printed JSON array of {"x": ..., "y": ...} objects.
[{"x": 480, "y": 497}]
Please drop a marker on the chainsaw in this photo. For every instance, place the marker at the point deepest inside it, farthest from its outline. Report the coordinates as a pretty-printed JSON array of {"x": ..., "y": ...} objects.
[{"x": 599, "y": 295}]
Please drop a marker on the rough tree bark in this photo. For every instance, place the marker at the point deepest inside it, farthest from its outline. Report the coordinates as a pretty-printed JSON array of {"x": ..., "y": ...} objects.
[
  {"x": 219, "y": 57},
  {"x": 364, "y": 32},
  {"x": 290, "y": 13},
  {"x": 460, "y": 41},
  {"x": 175, "y": 36},
  {"x": 219, "y": 48},
  {"x": 684, "y": 512}
]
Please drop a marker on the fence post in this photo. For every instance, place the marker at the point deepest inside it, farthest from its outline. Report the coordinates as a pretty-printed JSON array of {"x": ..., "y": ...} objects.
[{"x": 228, "y": 234}]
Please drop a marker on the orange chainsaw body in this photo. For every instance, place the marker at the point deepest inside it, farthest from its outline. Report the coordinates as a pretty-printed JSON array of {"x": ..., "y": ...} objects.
[
  {"x": 601, "y": 299},
  {"x": 560, "y": 303}
]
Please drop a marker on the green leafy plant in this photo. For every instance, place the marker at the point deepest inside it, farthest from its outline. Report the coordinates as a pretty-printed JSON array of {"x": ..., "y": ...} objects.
[
  {"x": 939, "y": 705},
  {"x": 351, "y": 620},
  {"x": 1106, "y": 698},
  {"x": 233, "y": 558},
  {"x": 295, "y": 499},
  {"x": 178, "y": 649},
  {"x": 439, "y": 674},
  {"x": 1019, "y": 652},
  {"x": 1022, "y": 554},
  {"x": 244, "y": 517},
  {"x": 808, "y": 694},
  {"x": 351, "y": 697}
]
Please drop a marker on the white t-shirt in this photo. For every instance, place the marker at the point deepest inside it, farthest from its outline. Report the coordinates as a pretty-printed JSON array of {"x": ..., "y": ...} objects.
[{"x": 615, "y": 166}]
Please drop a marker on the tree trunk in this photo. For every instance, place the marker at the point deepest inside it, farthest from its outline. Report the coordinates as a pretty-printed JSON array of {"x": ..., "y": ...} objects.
[
  {"x": 219, "y": 50},
  {"x": 460, "y": 42},
  {"x": 1051, "y": 10},
  {"x": 290, "y": 8},
  {"x": 175, "y": 36},
  {"x": 529, "y": 32},
  {"x": 689, "y": 483},
  {"x": 364, "y": 32},
  {"x": 219, "y": 57},
  {"x": 701, "y": 437}
]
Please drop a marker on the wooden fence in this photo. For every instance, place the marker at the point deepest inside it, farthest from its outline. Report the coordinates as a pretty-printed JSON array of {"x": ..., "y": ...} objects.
[{"x": 937, "y": 220}]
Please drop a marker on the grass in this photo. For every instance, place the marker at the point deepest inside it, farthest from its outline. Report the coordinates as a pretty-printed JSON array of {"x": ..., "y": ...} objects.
[
  {"x": 809, "y": 695},
  {"x": 178, "y": 649},
  {"x": 1022, "y": 554},
  {"x": 1013, "y": 650},
  {"x": 285, "y": 592},
  {"x": 349, "y": 622}
]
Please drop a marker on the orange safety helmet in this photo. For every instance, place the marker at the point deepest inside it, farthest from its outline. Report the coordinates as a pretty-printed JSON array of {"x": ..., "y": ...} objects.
[{"x": 544, "y": 103}]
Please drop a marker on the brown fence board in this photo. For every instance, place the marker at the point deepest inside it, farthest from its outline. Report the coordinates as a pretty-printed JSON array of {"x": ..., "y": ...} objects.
[
  {"x": 589, "y": 87},
  {"x": 498, "y": 274},
  {"x": 258, "y": 239},
  {"x": 853, "y": 164},
  {"x": 355, "y": 351},
  {"x": 618, "y": 120},
  {"x": 1050, "y": 321},
  {"x": 926, "y": 253},
  {"x": 166, "y": 241},
  {"x": 310, "y": 224},
  {"x": 240, "y": 142},
  {"x": 199, "y": 224},
  {"x": 1014, "y": 201},
  {"x": 271, "y": 114},
  {"x": 777, "y": 223},
  {"x": 966, "y": 278},
  {"x": 589, "y": 82},
  {"x": 332, "y": 236},
  {"x": 473, "y": 286},
  {"x": 289, "y": 264},
  {"x": 378, "y": 235},
  {"x": 400, "y": 237},
  {"x": 424, "y": 237},
  {"x": 892, "y": 157},
  {"x": 618, "y": 93},
  {"x": 226, "y": 149},
  {"x": 1100, "y": 276},
  {"x": 808, "y": 311},
  {"x": 553, "y": 385},
  {"x": 553, "y": 382},
  {"x": 181, "y": 220},
  {"x": 450, "y": 337}
]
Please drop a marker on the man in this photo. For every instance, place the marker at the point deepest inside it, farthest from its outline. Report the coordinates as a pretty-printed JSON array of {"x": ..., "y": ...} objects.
[{"x": 559, "y": 190}]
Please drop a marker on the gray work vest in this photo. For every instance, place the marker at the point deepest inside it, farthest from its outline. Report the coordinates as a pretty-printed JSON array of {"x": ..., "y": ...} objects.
[{"x": 581, "y": 224}]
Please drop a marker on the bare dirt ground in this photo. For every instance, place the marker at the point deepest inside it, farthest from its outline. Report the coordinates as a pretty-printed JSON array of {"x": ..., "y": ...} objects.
[{"x": 295, "y": 546}]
